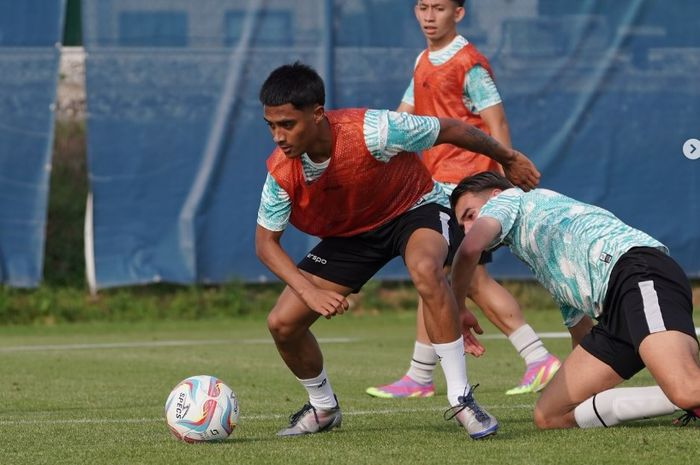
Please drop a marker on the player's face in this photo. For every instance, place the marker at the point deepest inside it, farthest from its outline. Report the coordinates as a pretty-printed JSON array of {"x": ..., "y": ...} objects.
[
  {"x": 467, "y": 208},
  {"x": 438, "y": 19},
  {"x": 293, "y": 130}
]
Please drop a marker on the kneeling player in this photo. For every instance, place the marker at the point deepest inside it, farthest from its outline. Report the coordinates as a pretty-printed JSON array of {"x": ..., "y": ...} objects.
[{"x": 595, "y": 266}]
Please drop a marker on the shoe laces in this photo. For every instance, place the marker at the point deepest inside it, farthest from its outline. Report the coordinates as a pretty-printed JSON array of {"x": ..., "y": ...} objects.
[
  {"x": 466, "y": 401},
  {"x": 686, "y": 418},
  {"x": 295, "y": 417}
]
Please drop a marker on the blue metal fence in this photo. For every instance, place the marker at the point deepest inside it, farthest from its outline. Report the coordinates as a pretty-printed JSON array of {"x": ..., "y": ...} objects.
[
  {"x": 30, "y": 31},
  {"x": 601, "y": 95}
]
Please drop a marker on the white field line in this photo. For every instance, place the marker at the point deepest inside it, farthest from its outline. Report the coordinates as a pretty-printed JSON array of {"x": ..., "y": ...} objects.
[
  {"x": 244, "y": 418},
  {"x": 190, "y": 342},
  {"x": 146, "y": 344},
  {"x": 201, "y": 342}
]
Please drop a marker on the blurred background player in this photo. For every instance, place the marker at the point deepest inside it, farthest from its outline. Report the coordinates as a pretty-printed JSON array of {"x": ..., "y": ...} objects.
[
  {"x": 452, "y": 79},
  {"x": 349, "y": 177},
  {"x": 596, "y": 267}
]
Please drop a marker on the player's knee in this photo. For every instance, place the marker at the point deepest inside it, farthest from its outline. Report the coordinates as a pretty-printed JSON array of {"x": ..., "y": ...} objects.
[
  {"x": 426, "y": 274},
  {"x": 279, "y": 330},
  {"x": 545, "y": 419},
  {"x": 684, "y": 397},
  {"x": 540, "y": 419},
  {"x": 273, "y": 323}
]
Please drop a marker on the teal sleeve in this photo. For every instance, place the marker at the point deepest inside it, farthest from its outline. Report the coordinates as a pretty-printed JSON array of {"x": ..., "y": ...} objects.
[
  {"x": 388, "y": 133},
  {"x": 275, "y": 206},
  {"x": 480, "y": 90},
  {"x": 504, "y": 208}
]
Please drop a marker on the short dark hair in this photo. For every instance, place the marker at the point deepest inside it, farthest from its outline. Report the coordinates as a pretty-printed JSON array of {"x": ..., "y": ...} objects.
[
  {"x": 298, "y": 84},
  {"x": 480, "y": 182},
  {"x": 459, "y": 3}
]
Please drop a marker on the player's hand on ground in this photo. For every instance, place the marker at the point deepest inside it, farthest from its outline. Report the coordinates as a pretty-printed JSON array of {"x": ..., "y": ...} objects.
[
  {"x": 522, "y": 172},
  {"x": 326, "y": 302},
  {"x": 469, "y": 323}
]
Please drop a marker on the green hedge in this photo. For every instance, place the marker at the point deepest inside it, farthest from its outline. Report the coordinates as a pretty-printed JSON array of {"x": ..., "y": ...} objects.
[{"x": 50, "y": 304}]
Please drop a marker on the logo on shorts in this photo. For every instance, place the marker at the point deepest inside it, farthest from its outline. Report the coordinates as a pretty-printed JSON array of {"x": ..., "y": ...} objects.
[
  {"x": 317, "y": 259},
  {"x": 604, "y": 257}
]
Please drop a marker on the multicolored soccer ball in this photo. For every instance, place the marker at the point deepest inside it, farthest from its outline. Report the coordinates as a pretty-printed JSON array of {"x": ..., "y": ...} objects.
[{"x": 201, "y": 408}]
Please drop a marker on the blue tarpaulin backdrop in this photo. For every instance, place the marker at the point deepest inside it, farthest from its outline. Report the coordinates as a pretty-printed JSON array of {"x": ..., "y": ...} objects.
[
  {"x": 600, "y": 94},
  {"x": 29, "y": 33}
]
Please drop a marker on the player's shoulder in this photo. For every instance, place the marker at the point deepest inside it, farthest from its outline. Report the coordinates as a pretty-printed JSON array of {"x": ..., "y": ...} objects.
[
  {"x": 512, "y": 193},
  {"x": 467, "y": 54},
  {"x": 472, "y": 56},
  {"x": 550, "y": 195},
  {"x": 509, "y": 200},
  {"x": 345, "y": 115},
  {"x": 471, "y": 48},
  {"x": 276, "y": 159},
  {"x": 505, "y": 200}
]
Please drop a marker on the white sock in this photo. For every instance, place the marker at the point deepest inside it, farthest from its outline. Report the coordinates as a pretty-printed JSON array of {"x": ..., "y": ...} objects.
[
  {"x": 613, "y": 406},
  {"x": 320, "y": 391},
  {"x": 528, "y": 344},
  {"x": 454, "y": 367},
  {"x": 423, "y": 363}
]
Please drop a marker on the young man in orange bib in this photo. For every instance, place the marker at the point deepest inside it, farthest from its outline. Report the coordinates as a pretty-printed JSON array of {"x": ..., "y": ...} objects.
[
  {"x": 452, "y": 79},
  {"x": 351, "y": 178}
]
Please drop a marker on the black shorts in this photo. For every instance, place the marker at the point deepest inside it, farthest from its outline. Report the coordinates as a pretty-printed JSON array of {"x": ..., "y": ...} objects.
[
  {"x": 352, "y": 261},
  {"x": 486, "y": 257},
  {"x": 648, "y": 292}
]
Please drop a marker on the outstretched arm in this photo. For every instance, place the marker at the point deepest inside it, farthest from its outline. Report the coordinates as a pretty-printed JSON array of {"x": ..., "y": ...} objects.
[
  {"x": 518, "y": 168},
  {"x": 482, "y": 233},
  {"x": 465, "y": 262}
]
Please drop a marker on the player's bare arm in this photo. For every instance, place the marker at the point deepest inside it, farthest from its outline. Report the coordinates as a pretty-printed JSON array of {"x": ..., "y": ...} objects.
[
  {"x": 268, "y": 249},
  {"x": 481, "y": 234},
  {"x": 495, "y": 118},
  {"x": 465, "y": 262},
  {"x": 517, "y": 167}
]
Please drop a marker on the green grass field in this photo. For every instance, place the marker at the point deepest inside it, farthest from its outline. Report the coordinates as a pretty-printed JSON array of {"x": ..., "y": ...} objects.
[{"x": 94, "y": 394}]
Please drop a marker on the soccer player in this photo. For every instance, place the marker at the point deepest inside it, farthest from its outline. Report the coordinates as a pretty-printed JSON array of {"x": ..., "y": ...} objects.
[
  {"x": 596, "y": 267},
  {"x": 349, "y": 177},
  {"x": 452, "y": 79}
]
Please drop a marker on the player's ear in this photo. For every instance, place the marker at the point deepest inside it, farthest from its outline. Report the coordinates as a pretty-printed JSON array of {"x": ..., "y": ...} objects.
[
  {"x": 460, "y": 11},
  {"x": 319, "y": 113}
]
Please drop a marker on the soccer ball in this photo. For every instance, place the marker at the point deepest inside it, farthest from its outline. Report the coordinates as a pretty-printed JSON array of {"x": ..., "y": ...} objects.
[{"x": 201, "y": 408}]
